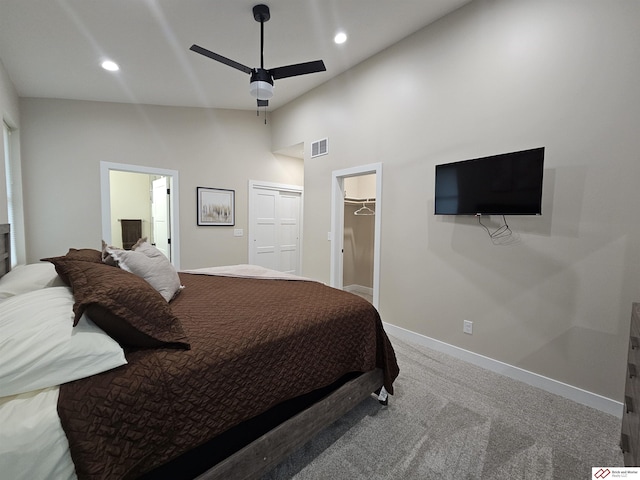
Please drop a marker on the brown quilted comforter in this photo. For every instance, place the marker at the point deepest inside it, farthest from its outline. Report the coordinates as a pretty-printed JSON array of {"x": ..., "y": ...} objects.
[{"x": 254, "y": 344}]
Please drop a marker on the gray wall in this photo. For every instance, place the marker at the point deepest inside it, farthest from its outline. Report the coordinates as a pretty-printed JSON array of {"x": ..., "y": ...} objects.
[
  {"x": 65, "y": 140},
  {"x": 494, "y": 77}
]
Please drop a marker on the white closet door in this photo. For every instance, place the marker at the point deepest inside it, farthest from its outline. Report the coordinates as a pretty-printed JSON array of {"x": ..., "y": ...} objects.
[
  {"x": 289, "y": 216},
  {"x": 265, "y": 229},
  {"x": 274, "y": 236}
]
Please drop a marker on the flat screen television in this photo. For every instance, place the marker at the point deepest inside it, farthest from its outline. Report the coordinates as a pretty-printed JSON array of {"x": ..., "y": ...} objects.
[{"x": 505, "y": 184}]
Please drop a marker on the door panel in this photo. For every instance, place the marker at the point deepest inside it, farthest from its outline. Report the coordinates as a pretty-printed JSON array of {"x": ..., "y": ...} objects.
[
  {"x": 275, "y": 230},
  {"x": 266, "y": 238},
  {"x": 160, "y": 214},
  {"x": 289, "y": 214}
]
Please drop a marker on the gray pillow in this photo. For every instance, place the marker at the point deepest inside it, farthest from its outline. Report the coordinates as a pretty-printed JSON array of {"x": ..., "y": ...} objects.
[{"x": 149, "y": 263}]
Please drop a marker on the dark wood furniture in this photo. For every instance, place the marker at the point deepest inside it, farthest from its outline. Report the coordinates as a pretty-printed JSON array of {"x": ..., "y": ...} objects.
[
  {"x": 5, "y": 249},
  {"x": 131, "y": 232},
  {"x": 630, "y": 438}
]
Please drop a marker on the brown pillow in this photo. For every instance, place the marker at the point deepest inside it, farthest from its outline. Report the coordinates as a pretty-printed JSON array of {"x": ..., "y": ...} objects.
[
  {"x": 80, "y": 254},
  {"x": 122, "y": 304},
  {"x": 84, "y": 254}
]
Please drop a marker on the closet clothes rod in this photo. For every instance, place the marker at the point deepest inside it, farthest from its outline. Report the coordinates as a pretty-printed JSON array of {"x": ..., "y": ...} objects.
[{"x": 359, "y": 200}]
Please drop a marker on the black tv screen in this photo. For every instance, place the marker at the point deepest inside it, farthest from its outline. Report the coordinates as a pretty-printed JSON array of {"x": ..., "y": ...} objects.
[{"x": 505, "y": 184}]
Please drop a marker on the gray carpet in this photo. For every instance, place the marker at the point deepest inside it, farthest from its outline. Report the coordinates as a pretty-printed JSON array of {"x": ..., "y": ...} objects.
[{"x": 451, "y": 420}]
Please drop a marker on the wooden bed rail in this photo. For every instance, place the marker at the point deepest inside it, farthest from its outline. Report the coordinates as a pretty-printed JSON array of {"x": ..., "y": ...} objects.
[
  {"x": 5, "y": 248},
  {"x": 270, "y": 449}
]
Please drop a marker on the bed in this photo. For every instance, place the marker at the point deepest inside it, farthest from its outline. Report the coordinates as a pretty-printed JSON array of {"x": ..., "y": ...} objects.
[{"x": 225, "y": 371}]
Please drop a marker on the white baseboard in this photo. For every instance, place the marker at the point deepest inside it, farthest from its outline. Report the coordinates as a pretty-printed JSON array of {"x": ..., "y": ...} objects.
[
  {"x": 358, "y": 289},
  {"x": 576, "y": 394}
]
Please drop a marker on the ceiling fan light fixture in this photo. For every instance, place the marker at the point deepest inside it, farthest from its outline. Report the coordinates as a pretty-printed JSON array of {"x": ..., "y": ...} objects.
[
  {"x": 261, "y": 90},
  {"x": 261, "y": 84},
  {"x": 261, "y": 79}
]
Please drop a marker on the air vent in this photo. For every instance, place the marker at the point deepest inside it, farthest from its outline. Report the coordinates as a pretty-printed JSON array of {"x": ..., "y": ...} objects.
[{"x": 320, "y": 147}]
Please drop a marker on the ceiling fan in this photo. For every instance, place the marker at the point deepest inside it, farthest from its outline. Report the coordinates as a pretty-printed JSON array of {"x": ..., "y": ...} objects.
[{"x": 261, "y": 80}]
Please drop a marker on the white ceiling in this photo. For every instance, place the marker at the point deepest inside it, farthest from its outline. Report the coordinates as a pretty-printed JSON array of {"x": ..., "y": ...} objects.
[{"x": 53, "y": 48}]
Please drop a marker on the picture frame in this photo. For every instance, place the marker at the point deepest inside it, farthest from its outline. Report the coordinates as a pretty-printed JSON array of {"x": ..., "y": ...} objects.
[{"x": 216, "y": 207}]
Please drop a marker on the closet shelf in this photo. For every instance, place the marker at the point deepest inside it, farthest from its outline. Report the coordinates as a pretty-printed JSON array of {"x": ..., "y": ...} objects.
[{"x": 359, "y": 200}]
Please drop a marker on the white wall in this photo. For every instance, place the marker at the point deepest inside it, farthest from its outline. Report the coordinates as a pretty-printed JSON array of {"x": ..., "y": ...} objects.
[
  {"x": 493, "y": 77},
  {"x": 64, "y": 142},
  {"x": 9, "y": 113}
]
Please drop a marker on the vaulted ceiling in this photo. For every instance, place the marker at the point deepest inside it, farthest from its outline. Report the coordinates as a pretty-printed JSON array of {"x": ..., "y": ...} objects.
[{"x": 54, "y": 48}]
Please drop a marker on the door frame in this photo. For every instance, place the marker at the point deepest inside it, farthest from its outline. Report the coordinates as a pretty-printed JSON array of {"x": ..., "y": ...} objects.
[
  {"x": 174, "y": 206},
  {"x": 281, "y": 187},
  {"x": 337, "y": 224}
]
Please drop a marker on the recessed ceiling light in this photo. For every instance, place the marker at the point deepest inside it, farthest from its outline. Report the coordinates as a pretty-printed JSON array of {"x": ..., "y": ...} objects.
[
  {"x": 340, "y": 37},
  {"x": 110, "y": 65}
]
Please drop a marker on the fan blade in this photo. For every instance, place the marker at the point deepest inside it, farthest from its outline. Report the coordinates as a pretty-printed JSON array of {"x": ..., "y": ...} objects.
[
  {"x": 263, "y": 103},
  {"x": 297, "y": 69},
  {"x": 220, "y": 58}
]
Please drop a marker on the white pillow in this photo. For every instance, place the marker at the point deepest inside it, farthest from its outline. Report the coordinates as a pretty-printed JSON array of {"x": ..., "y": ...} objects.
[
  {"x": 149, "y": 263},
  {"x": 40, "y": 348},
  {"x": 26, "y": 278}
]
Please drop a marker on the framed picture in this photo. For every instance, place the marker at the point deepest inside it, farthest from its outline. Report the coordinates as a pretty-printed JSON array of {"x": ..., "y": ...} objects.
[{"x": 216, "y": 206}]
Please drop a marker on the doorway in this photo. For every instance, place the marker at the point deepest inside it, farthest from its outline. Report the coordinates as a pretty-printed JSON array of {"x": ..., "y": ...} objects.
[
  {"x": 275, "y": 226},
  {"x": 162, "y": 224},
  {"x": 338, "y": 202},
  {"x": 359, "y": 235}
]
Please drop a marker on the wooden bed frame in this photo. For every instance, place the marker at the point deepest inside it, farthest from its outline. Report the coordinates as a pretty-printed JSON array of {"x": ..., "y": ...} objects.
[
  {"x": 5, "y": 249},
  {"x": 266, "y": 452},
  {"x": 273, "y": 447}
]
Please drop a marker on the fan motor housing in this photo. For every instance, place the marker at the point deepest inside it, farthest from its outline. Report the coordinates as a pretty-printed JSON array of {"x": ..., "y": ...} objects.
[
  {"x": 261, "y": 13},
  {"x": 260, "y": 75}
]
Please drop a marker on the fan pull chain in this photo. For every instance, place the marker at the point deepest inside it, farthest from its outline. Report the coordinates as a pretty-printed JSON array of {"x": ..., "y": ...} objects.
[{"x": 265, "y": 114}]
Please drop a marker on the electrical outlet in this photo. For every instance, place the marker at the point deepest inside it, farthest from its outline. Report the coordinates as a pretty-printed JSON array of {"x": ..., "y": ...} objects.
[{"x": 467, "y": 327}]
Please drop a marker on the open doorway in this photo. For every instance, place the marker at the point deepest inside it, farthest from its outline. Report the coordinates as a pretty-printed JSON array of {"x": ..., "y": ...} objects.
[
  {"x": 340, "y": 199},
  {"x": 359, "y": 235},
  {"x": 140, "y": 200},
  {"x": 140, "y": 209}
]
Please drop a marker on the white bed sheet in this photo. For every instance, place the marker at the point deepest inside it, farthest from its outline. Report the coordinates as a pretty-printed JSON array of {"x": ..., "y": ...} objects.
[
  {"x": 33, "y": 444},
  {"x": 246, "y": 271}
]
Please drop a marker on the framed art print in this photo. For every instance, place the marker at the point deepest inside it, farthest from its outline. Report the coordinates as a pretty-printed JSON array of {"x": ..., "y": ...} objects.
[{"x": 216, "y": 206}]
